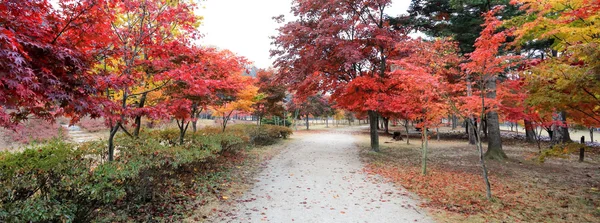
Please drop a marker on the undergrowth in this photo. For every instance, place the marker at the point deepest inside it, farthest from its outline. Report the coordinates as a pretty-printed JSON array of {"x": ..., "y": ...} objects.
[{"x": 151, "y": 179}]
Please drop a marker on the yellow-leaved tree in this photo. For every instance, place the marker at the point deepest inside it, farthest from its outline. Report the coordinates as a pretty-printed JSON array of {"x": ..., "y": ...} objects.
[
  {"x": 240, "y": 101},
  {"x": 565, "y": 77}
]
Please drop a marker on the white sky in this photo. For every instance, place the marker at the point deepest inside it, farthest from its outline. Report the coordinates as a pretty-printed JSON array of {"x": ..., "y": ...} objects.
[{"x": 244, "y": 26}]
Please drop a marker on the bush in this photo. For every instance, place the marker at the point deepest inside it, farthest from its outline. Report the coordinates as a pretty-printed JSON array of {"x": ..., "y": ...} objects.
[
  {"x": 64, "y": 182},
  {"x": 170, "y": 136},
  {"x": 257, "y": 135},
  {"x": 55, "y": 182},
  {"x": 561, "y": 151},
  {"x": 284, "y": 132},
  {"x": 268, "y": 134}
]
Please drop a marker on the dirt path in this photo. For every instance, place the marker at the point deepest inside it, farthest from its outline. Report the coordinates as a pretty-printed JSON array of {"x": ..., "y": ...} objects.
[
  {"x": 319, "y": 178},
  {"x": 79, "y": 135}
]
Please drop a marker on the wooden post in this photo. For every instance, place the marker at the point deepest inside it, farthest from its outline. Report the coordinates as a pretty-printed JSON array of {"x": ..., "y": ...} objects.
[{"x": 582, "y": 149}]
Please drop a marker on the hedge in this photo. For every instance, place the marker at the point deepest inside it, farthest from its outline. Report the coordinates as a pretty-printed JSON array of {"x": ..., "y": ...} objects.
[{"x": 64, "y": 182}]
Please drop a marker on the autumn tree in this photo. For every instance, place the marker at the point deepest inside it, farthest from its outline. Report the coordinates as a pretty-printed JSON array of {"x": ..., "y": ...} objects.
[
  {"x": 431, "y": 76},
  {"x": 241, "y": 100},
  {"x": 566, "y": 79},
  {"x": 484, "y": 66},
  {"x": 461, "y": 20},
  {"x": 46, "y": 55},
  {"x": 340, "y": 114},
  {"x": 332, "y": 44},
  {"x": 146, "y": 36},
  {"x": 205, "y": 73},
  {"x": 315, "y": 105},
  {"x": 272, "y": 104}
]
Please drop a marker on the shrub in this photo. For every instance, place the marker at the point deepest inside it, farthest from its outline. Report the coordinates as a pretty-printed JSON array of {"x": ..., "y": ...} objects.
[
  {"x": 265, "y": 134},
  {"x": 54, "y": 182},
  {"x": 257, "y": 135},
  {"x": 284, "y": 132},
  {"x": 561, "y": 151},
  {"x": 170, "y": 136},
  {"x": 64, "y": 182}
]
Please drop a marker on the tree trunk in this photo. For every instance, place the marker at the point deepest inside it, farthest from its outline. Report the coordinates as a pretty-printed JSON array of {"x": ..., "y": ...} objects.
[
  {"x": 494, "y": 150},
  {"x": 529, "y": 131},
  {"x": 181, "y": 136},
  {"x": 484, "y": 127},
  {"x": 138, "y": 119},
  {"x": 138, "y": 125},
  {"x": 373, "y": 114},
  {"x": 592, "y": 134},
  {"x": 454, "y": 122},
  {"x": 224, "y": 124},
  {"x": 550, "y": 133},
  {"x": 195, "y": 115},
  {"x": 561, "y": 133},
  {"x": 386, "y": 125},
  {"x": 114, "y": 129},
  {"x": 406, "y": 127},
  {"x": 373, "y": 123},
  {"x": 226, "y": 118},
  {"x": 437, "y": 133},
  {"x": 327, "y": 122},
  {"x": 486, "y": 181},
  {"x": 182, "y": 130},
  {"x": 538, "y": 135},
  {"x": 424, "y": 144},
  {"x": 306, "y": 122},
  {"x": 471, "y": 132},
  {"x": 470, "y": 129},
  {"x": 488, "y": 189},
  {"x": 111, "y": 142}
]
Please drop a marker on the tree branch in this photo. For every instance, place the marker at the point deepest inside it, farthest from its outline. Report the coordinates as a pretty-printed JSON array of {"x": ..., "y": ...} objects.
[
  {"x": 151, "y": 90},
  {"x": 125, "y": 130}
]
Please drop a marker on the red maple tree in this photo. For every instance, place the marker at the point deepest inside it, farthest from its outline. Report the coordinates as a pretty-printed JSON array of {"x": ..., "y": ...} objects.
[
  {"x": 45, "y": 59},
  {"x": 206, "y": 74},
  {"x": 339, "y": 46}
]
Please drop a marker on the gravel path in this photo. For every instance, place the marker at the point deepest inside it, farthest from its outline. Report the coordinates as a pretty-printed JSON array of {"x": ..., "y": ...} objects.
[{"x": 319, "y": 178}]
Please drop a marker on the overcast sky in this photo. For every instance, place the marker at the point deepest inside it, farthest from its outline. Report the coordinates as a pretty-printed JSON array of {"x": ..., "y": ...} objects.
[{"x": 244, "y": 26}]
